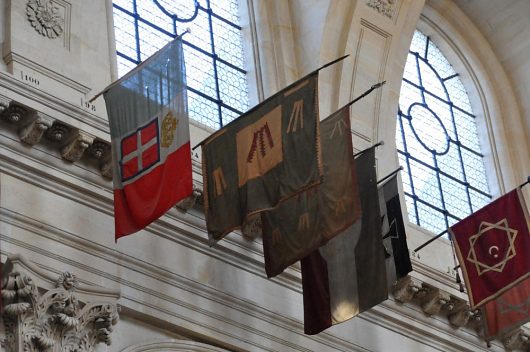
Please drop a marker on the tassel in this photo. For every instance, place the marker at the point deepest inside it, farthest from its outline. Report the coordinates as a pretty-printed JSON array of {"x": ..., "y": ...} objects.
[{"x": 459, "y": 282}]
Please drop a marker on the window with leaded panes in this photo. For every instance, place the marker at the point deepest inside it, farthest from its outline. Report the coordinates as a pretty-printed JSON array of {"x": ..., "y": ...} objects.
[
  {"x": 444, "y": 178},
  {"x": 216, "y": 79}
]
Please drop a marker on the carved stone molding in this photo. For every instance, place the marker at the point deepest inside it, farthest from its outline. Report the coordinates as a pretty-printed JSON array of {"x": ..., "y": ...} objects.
[
  {"x": 73, "y": 151},
  {"x": 41, "y": 314},
  {"x": 384, "y": 7},
  {"x": 45, "y": 17},
  {"x": 32, "y": 133},
  {"x": 72, "y": 143}
]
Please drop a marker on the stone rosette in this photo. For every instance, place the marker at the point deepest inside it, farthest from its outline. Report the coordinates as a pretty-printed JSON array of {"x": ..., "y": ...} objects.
[{"x": 45, "y": 17}]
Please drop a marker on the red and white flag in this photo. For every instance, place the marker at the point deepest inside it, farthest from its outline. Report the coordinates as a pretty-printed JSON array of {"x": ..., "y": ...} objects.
[{"x": 149, "y": 128}]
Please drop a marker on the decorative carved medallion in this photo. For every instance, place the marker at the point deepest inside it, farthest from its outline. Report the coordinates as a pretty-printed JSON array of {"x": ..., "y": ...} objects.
[
  {"x": 45, "y": 17},
  {"x": 384, "y": 7},
  {"x": 53, "y": 320}
]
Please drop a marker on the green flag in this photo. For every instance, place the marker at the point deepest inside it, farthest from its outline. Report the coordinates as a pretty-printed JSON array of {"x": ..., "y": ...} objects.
[
  {"x": 269, "y": 154},
  {"x": 303, "y": 223}
]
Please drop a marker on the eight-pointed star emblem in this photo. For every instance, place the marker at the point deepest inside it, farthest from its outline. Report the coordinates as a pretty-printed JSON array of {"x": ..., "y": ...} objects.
[{"x": 510, "y": 253}]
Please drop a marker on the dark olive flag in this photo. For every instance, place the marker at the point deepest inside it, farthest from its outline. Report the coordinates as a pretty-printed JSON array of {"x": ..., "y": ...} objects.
[
  {"x": 303, "y": 223},
  {"x": 398, "y": 263},
  {"x": 347, "y": 275},
  {"x": 267, "y": 155},
  {"x": 492, "y": 246}
]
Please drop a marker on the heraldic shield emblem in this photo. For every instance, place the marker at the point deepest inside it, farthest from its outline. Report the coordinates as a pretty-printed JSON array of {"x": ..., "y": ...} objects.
[
  {"x": 169, "y": 126},
  {"x": 492, "y": 247}
]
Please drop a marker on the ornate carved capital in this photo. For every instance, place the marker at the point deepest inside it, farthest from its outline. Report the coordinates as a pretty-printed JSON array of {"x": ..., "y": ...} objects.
[
  {"x": 33, "y": 132},
  {"x": 41, "y": 315},
  {"x": 74, "y": 150}
]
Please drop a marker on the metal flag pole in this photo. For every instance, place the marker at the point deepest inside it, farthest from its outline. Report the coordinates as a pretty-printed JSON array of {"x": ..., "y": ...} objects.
[
  {"x": 390, "y": 175},
  {"x": 293, "y": 84},
  {"x": 445, "y": 231},
  {"x": 133, "y": 71},
  {"x": 380, "y": 143}
]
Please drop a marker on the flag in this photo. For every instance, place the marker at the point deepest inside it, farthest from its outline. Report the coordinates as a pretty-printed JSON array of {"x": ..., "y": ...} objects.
[
  {"x": 148, "y": 120},
  {"x": 508, "y": 311},
  {"x": 347, "y": 275},
  {"x": 303, "y": 223},
  {"x": 267, "y": 155},
  {"x": 492, "y": 245},
  {"x": 398, "y": 263}
]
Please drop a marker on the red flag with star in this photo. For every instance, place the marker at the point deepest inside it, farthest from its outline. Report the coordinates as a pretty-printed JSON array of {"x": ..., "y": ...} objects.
[{"x": 492, "y": 245}]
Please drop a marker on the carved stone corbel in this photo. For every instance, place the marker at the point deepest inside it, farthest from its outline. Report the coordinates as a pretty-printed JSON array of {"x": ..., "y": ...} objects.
[
  {"x": 73, "y": 151},
  {"x": 516, "y": 340},
  {"x": 189, "y": 202},
  {"x": 460, "y": 314},
  {"x": 32, "y": 133},
  {"x": 41, "y": 315},
  {"x": 405, "y": 289},
  {"x": 434, "y": 300}
]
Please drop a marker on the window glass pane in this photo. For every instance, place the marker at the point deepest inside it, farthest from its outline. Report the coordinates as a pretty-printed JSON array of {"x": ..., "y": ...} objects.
[
  {"x": 214, "y": 41},
  {"x": 437, "y": 136}
]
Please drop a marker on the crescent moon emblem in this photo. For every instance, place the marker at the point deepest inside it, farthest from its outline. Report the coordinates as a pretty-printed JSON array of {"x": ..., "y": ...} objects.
[{"x": 496, "y": 250}]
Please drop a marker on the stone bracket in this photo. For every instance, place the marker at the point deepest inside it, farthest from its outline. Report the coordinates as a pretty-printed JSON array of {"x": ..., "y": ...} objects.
[
  {"x": 73, "y": 151},
  {"x": 32, "y": 133},
  {"x": 405, "y": 289},
  {"x": 434, "y": 300}
]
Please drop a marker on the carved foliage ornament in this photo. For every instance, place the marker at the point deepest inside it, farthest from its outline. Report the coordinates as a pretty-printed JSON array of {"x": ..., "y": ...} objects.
[
  {"x": 384, "y": 7},
  {"x": 45, "y": 17},
  {"x": 52, "y": 321}
]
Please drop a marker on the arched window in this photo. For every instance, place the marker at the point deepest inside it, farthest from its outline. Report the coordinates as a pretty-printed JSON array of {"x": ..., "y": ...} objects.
[
  {"x": 217, "y": 85},
  {"x": 444, "y": 178}
]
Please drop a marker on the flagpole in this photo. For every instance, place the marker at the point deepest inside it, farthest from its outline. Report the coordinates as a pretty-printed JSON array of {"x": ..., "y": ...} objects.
[
  {"x": 390, "y": 175},
  {"x": 367, "y": 149},
  {"x": 431, "y": 240},
  {"x": 133, "y": 71},
  {"x": 292, "y": 84}
]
